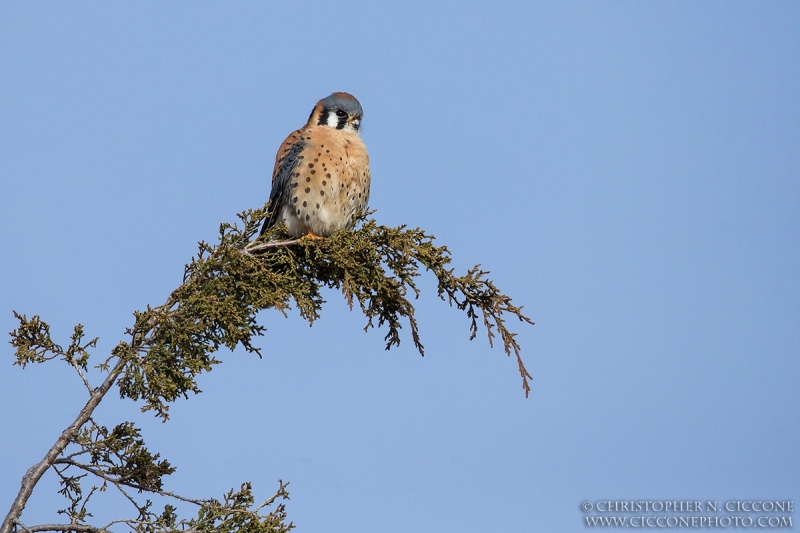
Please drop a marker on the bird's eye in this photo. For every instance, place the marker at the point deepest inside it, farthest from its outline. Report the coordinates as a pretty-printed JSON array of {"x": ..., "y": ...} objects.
[{"x": 340, "y": 113}]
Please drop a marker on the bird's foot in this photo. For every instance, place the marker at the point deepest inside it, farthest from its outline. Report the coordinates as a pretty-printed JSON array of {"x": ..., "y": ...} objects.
[{"x": 311, "y": 237}]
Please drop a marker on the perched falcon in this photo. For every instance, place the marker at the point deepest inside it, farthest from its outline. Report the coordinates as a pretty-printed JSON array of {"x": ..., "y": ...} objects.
[{"x": 321, "y": 175}]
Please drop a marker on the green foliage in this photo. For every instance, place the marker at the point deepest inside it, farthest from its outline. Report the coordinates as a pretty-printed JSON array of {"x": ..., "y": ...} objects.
[
  {"x": 239, "y": 514},
  {"x": 224, "y": 288},
  {"x": 119, "y": 455},
  {"x": 34, "y": 345}
]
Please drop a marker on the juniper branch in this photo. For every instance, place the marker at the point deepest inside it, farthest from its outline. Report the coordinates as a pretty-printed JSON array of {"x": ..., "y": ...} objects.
[{"x": 224, "y": 287}]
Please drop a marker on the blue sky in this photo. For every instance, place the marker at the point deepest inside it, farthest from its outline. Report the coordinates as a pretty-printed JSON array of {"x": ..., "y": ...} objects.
[{"x": 628, "y": 171}]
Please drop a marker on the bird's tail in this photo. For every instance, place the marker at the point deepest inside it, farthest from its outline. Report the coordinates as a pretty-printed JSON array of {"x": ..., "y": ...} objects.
[{"x": 268, "y": 223}]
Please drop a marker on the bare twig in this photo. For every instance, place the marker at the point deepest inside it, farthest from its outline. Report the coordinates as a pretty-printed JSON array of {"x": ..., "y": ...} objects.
[
  {"x": 127, "y": 521},
  {"x": 280, "y": 494},
  {"x": 83, "y": 377},
  {"x": 117, "y": 482},
  {"x": 256, "y": 246},
  {"x": 141, "y": 510},
  {"x": 199, "y": 502},
  {"x": 79, "y": 528},
  {"x": 23, "y": 526}
]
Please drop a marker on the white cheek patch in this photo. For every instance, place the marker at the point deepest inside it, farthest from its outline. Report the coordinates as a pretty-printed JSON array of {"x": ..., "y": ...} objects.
[{"x": 333, "y": 120}]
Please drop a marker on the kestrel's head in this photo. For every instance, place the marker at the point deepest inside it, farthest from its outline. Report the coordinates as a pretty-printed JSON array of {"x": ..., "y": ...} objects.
[{"x": 340, "y": 110}]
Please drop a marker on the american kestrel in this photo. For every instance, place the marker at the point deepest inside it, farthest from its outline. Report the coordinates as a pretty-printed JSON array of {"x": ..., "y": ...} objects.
[{"x": 321, "y": 176}]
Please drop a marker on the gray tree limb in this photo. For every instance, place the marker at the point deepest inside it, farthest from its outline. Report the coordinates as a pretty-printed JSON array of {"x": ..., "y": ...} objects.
[{"x": 35, "y": 473}]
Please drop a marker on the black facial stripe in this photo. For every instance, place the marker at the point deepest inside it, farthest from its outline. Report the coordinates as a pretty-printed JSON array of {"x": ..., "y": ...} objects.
[
  {"x": 341, "y": 123},
  {"x": 323, "y": 118}
]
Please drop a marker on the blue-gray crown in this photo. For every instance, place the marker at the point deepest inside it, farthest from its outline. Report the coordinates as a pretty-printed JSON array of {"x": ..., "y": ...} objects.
[{"x": 344, "y": 101}]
